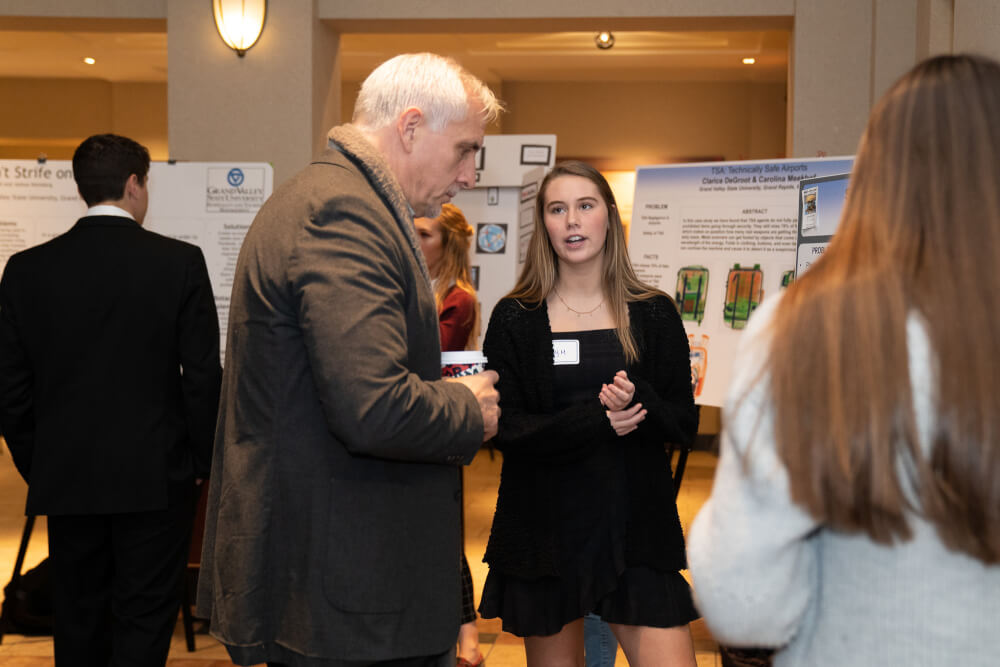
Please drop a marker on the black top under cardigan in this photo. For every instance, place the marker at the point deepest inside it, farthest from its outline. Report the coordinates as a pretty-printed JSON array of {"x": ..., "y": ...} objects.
[{"x": 534, "y": 436}]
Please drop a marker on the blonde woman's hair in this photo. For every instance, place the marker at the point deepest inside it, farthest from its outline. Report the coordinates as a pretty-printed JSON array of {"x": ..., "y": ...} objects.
[
  {"x": 453, "y": 267},
  {"x": 619, "y": 282},
  {"x": 920, "y": 232}
]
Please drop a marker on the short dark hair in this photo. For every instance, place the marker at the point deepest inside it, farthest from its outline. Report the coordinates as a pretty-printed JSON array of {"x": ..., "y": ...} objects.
[{"x": 103, "y": 163}]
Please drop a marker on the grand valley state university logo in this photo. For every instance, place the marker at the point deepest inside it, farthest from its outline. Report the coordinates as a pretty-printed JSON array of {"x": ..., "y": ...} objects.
[{"x": 234, "y": 189}]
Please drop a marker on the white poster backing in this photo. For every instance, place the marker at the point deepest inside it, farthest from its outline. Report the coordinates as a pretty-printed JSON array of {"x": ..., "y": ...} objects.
[{"x": 209, "y": 204}]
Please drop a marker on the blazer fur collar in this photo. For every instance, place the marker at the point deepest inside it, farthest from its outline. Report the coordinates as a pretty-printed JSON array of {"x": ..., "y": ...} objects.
[{"x": 352, "y": 143}]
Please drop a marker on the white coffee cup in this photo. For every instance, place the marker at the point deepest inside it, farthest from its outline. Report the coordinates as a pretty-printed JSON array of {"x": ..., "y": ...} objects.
[{"x": 461, "y": 363}]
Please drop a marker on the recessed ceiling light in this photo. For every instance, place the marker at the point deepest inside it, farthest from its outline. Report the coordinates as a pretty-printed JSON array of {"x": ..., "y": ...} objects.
[
  {"x": 749, "y": 61},
  {"x": 89, "y": 61}
]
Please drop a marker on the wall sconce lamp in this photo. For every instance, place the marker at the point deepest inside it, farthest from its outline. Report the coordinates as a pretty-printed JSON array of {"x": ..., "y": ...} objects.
[
  {"x": 604, "y": 40},
  {"x": 239, "y": 22}
]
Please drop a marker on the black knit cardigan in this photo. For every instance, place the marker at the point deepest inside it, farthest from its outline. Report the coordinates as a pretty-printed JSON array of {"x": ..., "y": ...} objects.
[{"x": 534, "y": 437}]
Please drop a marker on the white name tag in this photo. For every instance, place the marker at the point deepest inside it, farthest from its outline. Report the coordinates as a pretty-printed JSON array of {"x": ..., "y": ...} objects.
[{"x": 566, "y": 352}]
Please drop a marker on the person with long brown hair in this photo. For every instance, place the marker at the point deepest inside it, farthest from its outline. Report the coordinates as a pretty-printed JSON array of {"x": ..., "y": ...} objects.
[
  {"x": 445, "y": 242},
  {"x": 596, "y": 378},
  {"x": 855, "y": 515}
]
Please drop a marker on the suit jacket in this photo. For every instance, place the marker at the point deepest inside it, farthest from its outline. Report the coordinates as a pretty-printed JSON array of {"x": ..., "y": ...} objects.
[
  {"x": 333, "y": 512},
  {"x": 109, "y": 367}
]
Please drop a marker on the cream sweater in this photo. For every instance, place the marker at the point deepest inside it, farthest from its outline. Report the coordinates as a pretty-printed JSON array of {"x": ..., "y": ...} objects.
[{"x": 766, "y": 574}]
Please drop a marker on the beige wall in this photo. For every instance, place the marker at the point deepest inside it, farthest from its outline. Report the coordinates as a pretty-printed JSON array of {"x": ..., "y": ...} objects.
[
  {"x": 268, "y": 106},
  {"x": 768, "y": 120},
  {"x": 51, "y": 116},
  {"x": 625, "y": 124},
  {"x": 139, "y": 111},
  {"x": 632, "y": 124},
  {"x": 830, "y": 88},
  {"x": 734, "y": 120},
  {"x": 895, "y": 36},
  {"x": 977, "y": 27},
  {"x": 935, "y": 27},
  {"x": 130, "y": 9},
  {"x": 348, "y": 95}
]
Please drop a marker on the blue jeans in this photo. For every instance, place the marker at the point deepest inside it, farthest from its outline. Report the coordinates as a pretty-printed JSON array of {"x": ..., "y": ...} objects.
[{"x": 599, "y": 643}]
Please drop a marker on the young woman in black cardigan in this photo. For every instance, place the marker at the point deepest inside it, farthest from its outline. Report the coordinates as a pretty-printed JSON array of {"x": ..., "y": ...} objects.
[{"x": 594, "y": 379}]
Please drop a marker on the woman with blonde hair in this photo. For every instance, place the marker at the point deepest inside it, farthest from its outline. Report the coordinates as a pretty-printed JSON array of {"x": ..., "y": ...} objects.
[
  {"x": 445, "y": 242},
  {"x": 594, "y": 379},
  {"x": 855, "y": 515}
]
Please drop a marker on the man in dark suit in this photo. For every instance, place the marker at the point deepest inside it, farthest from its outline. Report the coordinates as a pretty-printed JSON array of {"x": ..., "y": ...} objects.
[
  {"x": 109, "y": 383},
  {"x": 332, "y": 536}
]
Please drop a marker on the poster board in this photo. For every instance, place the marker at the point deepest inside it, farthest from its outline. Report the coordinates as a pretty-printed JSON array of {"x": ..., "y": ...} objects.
[
  {"x": 209, "y": 204},
  {"x": 719, "y": 237},
  {"x": 501, "y": 211},
  {"x": 821, "y": 201}
]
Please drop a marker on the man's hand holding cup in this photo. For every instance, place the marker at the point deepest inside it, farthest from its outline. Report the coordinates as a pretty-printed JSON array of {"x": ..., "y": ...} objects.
[{"x": 468, "y": 367}]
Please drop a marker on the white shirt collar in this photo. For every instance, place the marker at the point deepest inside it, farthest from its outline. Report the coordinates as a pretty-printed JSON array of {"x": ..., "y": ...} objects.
[{"x": 108, "y": 209}]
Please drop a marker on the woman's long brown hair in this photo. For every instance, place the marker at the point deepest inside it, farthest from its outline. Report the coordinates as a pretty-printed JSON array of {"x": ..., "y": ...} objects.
[
  {"x": 920, "y": 233},
  {"x": 619, "y": 281},
  {"x": 453, "y": 268}
]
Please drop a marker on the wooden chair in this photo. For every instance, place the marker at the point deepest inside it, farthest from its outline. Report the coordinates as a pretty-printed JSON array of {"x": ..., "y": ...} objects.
[
  {"x": 29, "y": 524},
  {"x": 682, "y": 452}
]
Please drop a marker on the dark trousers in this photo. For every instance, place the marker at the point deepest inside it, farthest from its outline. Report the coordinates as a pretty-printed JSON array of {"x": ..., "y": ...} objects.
[{"x": 116, "y": 583}]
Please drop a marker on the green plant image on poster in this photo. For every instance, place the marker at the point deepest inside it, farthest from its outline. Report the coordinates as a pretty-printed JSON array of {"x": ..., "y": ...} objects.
[
  {"x": 692, "y": 289},
  {"x": 744, "y": 292}
]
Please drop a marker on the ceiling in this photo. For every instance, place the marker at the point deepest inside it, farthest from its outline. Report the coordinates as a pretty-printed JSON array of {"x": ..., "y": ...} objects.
[
  {"x": 573, "y": 56},
  {"x": 511, "y": 56}
]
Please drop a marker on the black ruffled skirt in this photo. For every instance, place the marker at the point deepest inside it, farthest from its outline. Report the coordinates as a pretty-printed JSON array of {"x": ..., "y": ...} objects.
[{"x": 635, "y": 595}]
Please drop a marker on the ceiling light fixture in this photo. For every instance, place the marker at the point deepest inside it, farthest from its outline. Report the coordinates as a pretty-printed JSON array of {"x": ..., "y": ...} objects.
[
  {"x": 239, "y": 22},
  {"x": 749, "y": 61},
  {"x": 604, "y": 40},
  {"x": 89, "y": 60}
]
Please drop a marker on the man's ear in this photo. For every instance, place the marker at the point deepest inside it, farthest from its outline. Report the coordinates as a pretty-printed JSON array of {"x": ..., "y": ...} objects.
[
  {"x": 132, "y": 186},
  {"x": 406, "y": 127}
]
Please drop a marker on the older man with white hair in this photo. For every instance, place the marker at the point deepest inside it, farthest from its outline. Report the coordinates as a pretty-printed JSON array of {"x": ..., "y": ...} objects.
[{"x": 332, "y": 535}]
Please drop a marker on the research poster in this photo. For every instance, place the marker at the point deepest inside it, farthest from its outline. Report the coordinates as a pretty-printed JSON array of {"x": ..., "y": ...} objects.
[
  {"x": 719, "y": 237},
  {"x": 821, "y": 201},
  {"x": 209, "y": 204}
]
